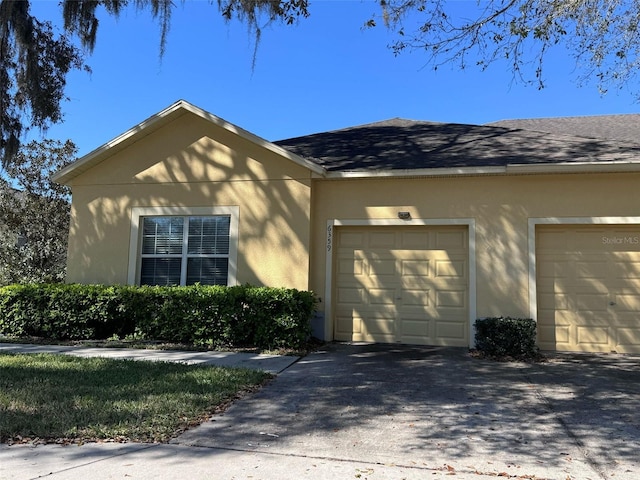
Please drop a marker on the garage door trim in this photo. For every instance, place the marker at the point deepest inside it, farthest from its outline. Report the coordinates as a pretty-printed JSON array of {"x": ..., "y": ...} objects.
[
  {"x": 471, "y": 227},
  {"x": 534, "y": 222}
]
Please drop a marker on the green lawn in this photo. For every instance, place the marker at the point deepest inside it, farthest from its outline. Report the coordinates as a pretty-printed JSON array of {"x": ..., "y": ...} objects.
[{"x": 61, "y": 398}]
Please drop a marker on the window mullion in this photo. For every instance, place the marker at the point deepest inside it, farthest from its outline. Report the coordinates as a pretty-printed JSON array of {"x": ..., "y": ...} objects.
[{"x": 185, "y": 249}]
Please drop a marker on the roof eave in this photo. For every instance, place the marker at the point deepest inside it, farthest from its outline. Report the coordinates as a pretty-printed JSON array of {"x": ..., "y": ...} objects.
[
  {"x": 418, "y": 172},
  {"x": 510, "y": 169},
  {"x": 575, "y": 167}
]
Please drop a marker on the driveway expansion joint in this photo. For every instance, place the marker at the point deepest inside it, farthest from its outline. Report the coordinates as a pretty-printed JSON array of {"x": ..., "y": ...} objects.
[
  {"x": 445, "y": 468},
  {"x": 589, "y": 459}
]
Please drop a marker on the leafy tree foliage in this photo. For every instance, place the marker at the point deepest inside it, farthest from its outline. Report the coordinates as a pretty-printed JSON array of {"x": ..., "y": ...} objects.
[
  {"x": 35, "y": 61},
  {"x": 603, "y": 35},
  {"x": 34, "y": 214}
]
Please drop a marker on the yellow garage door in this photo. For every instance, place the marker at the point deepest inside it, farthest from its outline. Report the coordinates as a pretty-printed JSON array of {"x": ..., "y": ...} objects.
[
  {"x": 402, "y": 284},
  {"x": 588, "y": 284}
]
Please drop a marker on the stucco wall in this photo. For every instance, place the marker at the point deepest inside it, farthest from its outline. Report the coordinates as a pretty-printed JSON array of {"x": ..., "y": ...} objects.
[
  {"x": 500, "y": 206},
  {"x": 192, "y": 163},
  {"x": 284, "y": 210}
]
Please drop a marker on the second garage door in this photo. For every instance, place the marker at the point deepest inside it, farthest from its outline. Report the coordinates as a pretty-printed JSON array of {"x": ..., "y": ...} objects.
[
  {"x": 588, "y": 283},
  {"x": 402, "y": 285}
]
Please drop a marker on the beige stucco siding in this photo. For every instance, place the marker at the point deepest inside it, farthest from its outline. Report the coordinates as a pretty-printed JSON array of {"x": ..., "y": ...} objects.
[
  {"x": 500, "y": 207},
  {"x": 193, "y": 163},
  {"x": 190, "y": 150}
]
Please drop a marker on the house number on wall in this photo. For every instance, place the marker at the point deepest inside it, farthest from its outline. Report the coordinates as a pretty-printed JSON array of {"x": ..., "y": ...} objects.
[{"x": 329, "y": 237}]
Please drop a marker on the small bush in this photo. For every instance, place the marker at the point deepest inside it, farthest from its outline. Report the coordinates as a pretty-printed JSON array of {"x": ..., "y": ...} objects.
[
  {"x": 200, "y": 315},
  {"x": 507, "y": 337}
]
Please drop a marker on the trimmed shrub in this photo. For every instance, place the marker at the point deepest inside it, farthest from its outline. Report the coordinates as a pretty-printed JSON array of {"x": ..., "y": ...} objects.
[
  {"x": 507, "y": 337},
  {"x": 63, "y": 312},
  {"x": 201, "y": 315},
  {"x": 278, "y": 315}
]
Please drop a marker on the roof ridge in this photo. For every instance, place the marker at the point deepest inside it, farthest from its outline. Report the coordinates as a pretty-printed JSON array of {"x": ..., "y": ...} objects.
[{"x": 562, "y": 117}]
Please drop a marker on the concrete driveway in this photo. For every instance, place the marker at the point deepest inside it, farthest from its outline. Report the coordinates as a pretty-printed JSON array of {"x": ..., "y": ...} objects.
[
  {"x": 440, "y": 410},
  {"x": 393, "y": 413}
]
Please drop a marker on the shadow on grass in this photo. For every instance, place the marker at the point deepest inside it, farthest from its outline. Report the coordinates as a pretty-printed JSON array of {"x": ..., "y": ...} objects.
[{"x": 67, "y": 399}]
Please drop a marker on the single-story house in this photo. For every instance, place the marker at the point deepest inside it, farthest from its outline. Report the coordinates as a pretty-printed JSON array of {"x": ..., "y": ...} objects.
[{"x": 407, "y": 231}]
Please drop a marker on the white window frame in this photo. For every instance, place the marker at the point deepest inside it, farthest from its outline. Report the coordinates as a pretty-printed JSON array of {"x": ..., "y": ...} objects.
[{"x": 135, "y": 241}]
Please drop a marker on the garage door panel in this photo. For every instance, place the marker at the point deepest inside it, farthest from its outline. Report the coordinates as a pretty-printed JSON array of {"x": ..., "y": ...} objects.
[
  {"x": 385, "y": 240},
  {"x": 414, "y": 268},
  {"x": 627, "y": 267},
  {"x": 395, "y": 272},
  {"x": 562, "y": 334},
  {"x": 351, "y": 267},
  {"x": 552, "y": 240},
  {"x": 415, "y": 327},
  {"x": 584, "y": 240},
  {"x": 451, "y": 333},
  {"x": 628, "y": 340},
  {"x": 365, "y": 329},
  {"x": 451, "y": 299},
  {"x": 596, "y": 269},
  {"x": 382, "y": 296},
  {"x": 551, "y": 301},
  {"x": 553, "y": 269},
  {"x": 627, "y": 274},
  {"x": 588, "y": 283},
  {"x": 584, "y": 287},
  {"x": 350, "y": 296},
  {"x": 377, "y": 328},
  {"x": 592, "y": 302},
  {"x": 550, "y": 335},
  {"x": 451, "y": 240},
  {"x": 352, "y": 239},
  {"x": 379, "y": 324},
  {"x": 347, "y": 324},
  {"x": 546, "y": 337},
  {"x": 379, "y": 267},
  {"x": 590, "y": 336},
  {"x": 451, "y": 268},
  {"x": 627, "y": 303},
  {"x": 415, "y": 240},
  {"x": 415, "y": 298},
  {"x": 593, "y": 319}
]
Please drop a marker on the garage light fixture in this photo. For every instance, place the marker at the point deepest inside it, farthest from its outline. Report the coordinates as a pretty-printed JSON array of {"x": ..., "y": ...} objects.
[{"x": 404, "y": 215}]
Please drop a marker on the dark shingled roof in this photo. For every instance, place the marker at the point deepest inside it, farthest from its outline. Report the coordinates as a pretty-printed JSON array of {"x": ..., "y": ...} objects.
[
  {"x": 610, "y": 127},
  {"x": 399, "y": 144}
]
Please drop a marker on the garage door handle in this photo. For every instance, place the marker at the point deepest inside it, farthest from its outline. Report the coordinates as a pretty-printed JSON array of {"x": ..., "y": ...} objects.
[{"x": 612, "y": 303}]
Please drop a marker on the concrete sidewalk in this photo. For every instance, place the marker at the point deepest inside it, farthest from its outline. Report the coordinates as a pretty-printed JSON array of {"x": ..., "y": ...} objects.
[
  {"x": 392, "y": 412},
  {"x": 178, "y": 462},
  {"x": 269, "y": 363}
]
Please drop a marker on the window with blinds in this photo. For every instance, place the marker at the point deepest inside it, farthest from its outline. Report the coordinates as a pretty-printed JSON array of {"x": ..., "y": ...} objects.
[{"x": 185, "y": 250}]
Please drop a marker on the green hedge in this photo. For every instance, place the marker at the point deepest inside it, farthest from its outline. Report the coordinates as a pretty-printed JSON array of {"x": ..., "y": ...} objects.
[
  {"x": 201, "y": 315},
  {"x": 507, "y": 337}
]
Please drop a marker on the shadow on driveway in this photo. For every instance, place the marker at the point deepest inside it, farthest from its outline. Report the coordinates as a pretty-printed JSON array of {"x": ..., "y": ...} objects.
[{"x": 574, "y": 416}]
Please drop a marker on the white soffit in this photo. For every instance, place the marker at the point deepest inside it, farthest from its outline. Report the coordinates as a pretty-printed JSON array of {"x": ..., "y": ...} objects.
[{"x": 511, "y": 169}]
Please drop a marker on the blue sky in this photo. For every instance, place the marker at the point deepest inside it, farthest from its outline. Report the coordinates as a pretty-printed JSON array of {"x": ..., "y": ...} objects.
[{"x": 325, "y": 73}]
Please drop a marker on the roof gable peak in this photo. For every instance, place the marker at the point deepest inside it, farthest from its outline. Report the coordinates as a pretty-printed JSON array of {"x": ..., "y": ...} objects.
[{"x": 160, "y": 119}]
